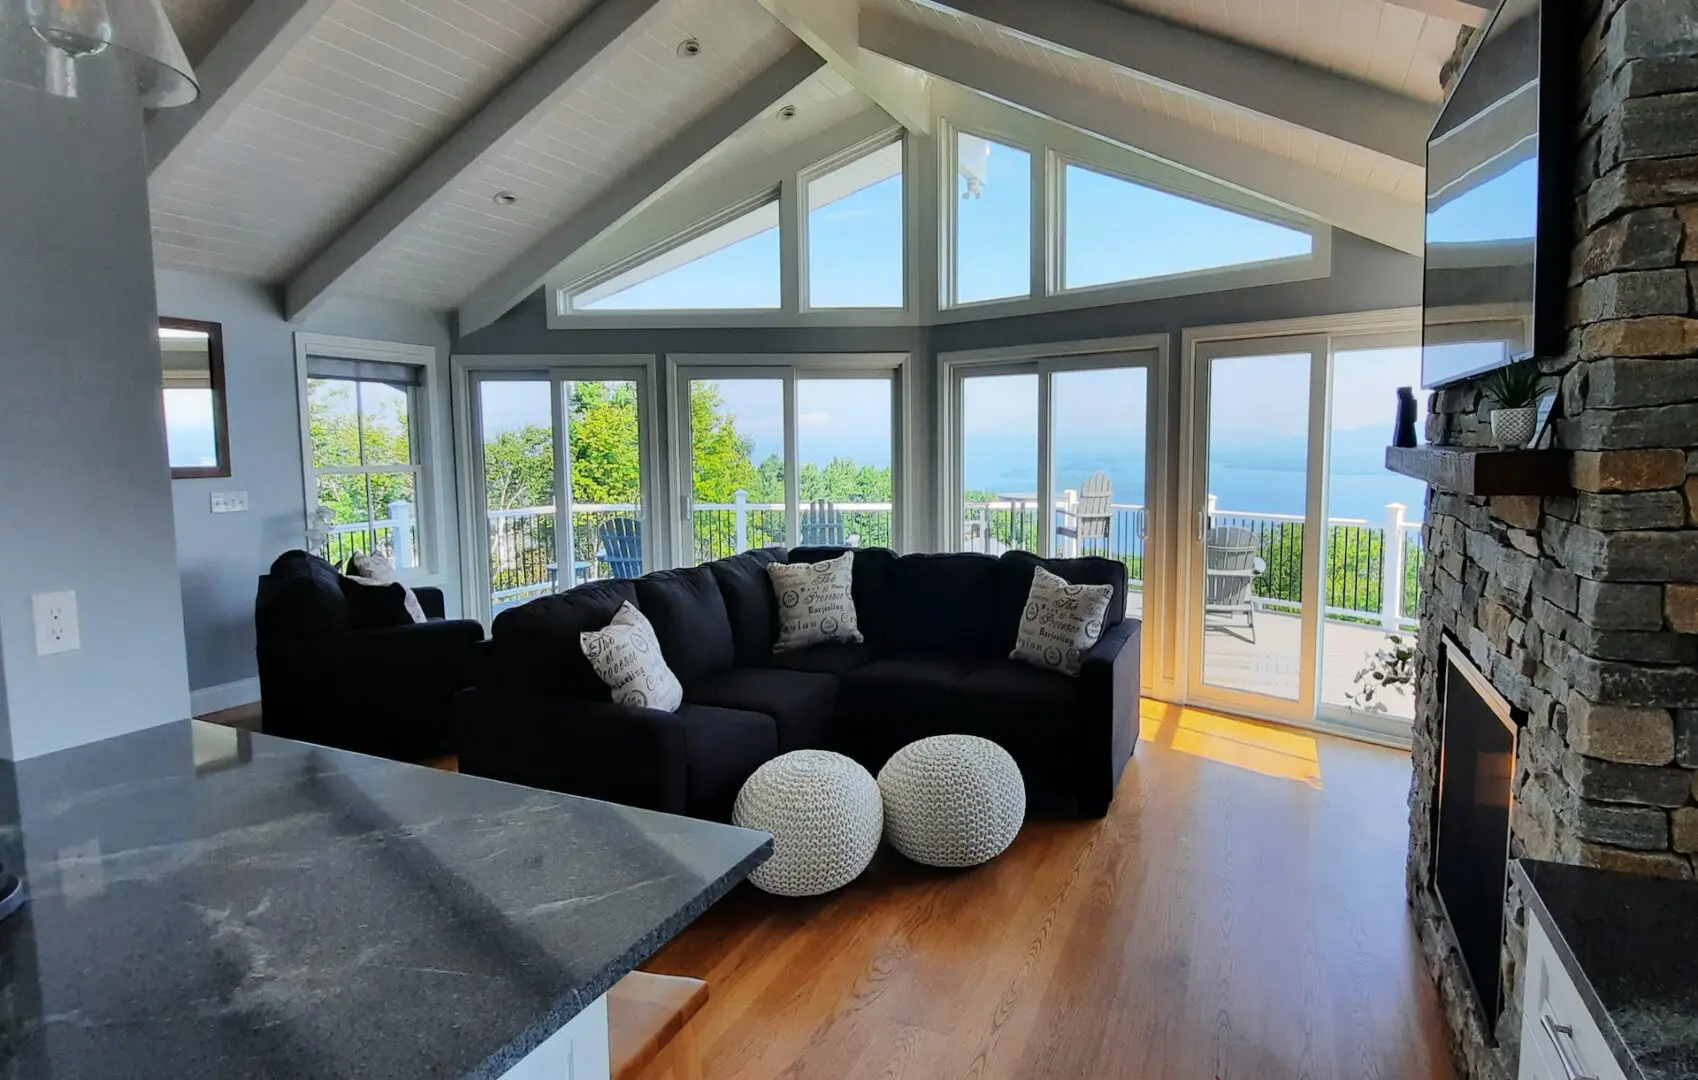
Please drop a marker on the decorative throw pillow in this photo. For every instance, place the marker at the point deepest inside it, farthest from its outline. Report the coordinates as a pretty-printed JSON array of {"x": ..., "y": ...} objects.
[
  {"x": 376, "y": 568},
  {"x": 627, "y": 657},
  {"x": 815, "y": 603},
  {"x": 1060, "y": 622}
]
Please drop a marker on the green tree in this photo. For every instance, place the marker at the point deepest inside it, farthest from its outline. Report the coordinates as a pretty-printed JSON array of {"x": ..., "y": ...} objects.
[{"x": 722, "y": 455}]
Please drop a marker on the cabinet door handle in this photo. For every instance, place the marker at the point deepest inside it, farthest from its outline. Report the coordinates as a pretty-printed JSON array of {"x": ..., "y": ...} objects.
[{"x": 1562, "y": 1041}]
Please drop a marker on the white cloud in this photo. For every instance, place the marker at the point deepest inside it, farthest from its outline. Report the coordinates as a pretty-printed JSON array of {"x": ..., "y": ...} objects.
[{"x": 814, "y": 419}]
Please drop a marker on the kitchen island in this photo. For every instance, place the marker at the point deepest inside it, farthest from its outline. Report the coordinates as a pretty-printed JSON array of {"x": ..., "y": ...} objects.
[{"x": 206, "y": 902}]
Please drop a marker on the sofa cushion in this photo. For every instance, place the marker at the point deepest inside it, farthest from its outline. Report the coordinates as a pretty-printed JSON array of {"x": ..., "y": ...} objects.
[
  {"x": 943, "y": 605},
  {"x": 302, "y": 595},
  {"x": 799, "y": 702},
  {"x": 1014, "y": 586},
  {"x": 723, "y": 748},
  {"x": 887, "y": 704},
  {"x": 1031, "y": 713},
  {"x": 871, "y": 587},
  {"x": 374, "y": 605},
  {"x": 690, "y": 619},
  {"x": 826, "y": 659},
  {"x": 536, "y": 646},
  {"x": 749, "y": 602}
]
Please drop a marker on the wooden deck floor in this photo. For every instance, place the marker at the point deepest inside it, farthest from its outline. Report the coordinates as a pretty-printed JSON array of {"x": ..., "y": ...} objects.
[{"x": 1238, "y": 916}]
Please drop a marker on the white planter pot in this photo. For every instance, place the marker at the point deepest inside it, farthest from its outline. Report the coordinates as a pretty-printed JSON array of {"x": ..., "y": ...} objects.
[{"x": 1514, "y": 427}]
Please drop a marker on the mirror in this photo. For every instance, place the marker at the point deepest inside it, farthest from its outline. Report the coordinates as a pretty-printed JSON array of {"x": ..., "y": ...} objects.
[{"x": 196, "y": 438}]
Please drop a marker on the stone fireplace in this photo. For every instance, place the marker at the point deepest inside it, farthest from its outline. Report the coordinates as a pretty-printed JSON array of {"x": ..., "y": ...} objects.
[{"x": 1582, "y": 608}]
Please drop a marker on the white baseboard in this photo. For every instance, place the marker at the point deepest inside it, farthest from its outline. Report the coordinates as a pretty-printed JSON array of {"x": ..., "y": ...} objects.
[{"x": 224, "y": 696}]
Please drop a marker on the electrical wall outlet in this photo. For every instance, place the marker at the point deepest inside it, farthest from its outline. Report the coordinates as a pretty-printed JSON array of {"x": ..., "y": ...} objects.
[
  {"x": 229, "y": 502},
  {"x": 55, "y": 623}
]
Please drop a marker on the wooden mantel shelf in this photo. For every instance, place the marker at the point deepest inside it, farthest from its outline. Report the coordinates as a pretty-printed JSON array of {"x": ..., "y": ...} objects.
[{"x": 1479, "y": 471}]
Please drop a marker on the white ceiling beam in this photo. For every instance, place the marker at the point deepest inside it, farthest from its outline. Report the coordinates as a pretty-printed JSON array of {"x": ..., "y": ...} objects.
[
  {"x": 1466, "y": 12},
  {"x": 247, "y": 53},
  {"x": 691, "y": 202},
  {"x": 637, "y": 188},
  {"x": 828, "y": 27},
  {"x": 501, "y": 121},
  {"x": 1310, "y": 191},
  {"x": 1198, "y": 63}
]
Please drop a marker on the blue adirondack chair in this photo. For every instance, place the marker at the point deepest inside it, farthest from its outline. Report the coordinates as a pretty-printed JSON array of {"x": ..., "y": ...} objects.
[
  {"x": 822, "y": 525},
  {"x": 622, "y": 546}
]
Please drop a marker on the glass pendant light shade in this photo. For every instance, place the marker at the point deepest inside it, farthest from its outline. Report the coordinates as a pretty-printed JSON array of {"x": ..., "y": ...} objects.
[{"x": 44, "y": 43}]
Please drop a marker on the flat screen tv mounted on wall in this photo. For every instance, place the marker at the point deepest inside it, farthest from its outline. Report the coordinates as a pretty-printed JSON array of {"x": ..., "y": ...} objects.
[{"x": 1500, "y": 197}]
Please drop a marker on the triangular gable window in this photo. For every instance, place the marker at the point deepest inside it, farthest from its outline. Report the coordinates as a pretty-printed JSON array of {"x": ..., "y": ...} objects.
[
  {"x": 732, "y": 266},
  {"x": 1116, "y": 231}
]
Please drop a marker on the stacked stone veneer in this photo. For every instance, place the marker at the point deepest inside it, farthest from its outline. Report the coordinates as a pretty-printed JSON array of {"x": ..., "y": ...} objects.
[{"x": 1582, "y": 609}]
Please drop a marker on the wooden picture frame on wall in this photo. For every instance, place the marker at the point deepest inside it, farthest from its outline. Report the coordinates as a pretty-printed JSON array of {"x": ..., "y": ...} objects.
[{"x": 190, "y": 379}]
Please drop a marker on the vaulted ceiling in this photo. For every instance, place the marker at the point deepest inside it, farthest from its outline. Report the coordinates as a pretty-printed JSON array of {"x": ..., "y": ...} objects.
[{"x": 358, "y": 146}]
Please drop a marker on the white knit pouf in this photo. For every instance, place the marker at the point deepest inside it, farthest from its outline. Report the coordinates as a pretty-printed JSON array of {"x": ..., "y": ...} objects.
[
  {"x": 825, "y": 817},
  {"x": 952, "y": 800}
]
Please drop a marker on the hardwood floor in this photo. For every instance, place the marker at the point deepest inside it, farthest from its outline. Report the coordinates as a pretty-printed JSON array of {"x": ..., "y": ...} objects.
[{"x": 1239, "y": 915}]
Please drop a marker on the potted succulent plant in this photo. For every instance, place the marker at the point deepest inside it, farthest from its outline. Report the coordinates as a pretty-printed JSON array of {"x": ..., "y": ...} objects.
[{"x": 1515, "y": 391}]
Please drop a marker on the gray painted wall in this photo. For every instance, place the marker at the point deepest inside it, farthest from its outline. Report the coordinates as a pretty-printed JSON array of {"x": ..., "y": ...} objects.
[
  {"x": 85, "y": 496},
  {"x": 220, "y": 557}
]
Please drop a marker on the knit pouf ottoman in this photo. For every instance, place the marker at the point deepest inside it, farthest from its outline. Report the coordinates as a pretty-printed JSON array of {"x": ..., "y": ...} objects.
[
  {"x": 825, "y": 817},
  {"x": 952, "y": 800}
]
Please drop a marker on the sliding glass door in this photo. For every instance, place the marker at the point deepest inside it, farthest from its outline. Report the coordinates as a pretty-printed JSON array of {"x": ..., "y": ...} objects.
[
  {"x": 1052, "y": 456},
  {"x": 794, "y": 455},
  {"x": 561, "y": 477},
  {"x": 1303, "y": 547}
]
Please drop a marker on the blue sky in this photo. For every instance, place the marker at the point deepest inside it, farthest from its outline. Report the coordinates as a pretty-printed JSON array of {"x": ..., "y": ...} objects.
[{"x": 1505, "y": 207}]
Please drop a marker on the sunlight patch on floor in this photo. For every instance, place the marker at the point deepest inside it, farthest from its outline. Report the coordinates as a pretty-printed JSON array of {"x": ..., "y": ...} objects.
[{"x": 1244, "y": 744}]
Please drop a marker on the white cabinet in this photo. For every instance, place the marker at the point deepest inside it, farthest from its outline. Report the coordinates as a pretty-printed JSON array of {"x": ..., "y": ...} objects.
[
  {"x": 578, "y": 1051},
  {"x": 1559, "y": 1039}
]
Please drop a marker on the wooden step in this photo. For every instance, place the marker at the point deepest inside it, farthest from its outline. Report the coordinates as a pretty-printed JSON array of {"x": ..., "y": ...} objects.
[{"x": 648, "y": 1019}]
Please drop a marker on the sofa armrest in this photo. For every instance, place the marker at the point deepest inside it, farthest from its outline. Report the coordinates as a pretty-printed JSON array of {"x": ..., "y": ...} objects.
[
  {"x": 597, "y": 749},
  {"x": 432, "y": 601},
  {"x": 1113, "y": 668}
]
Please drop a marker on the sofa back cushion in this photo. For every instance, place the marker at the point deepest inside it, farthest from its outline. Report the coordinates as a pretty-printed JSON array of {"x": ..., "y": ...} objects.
[
  {"x": 536, "y": 647},
  {"x": 871, "y": 587},
  {"x": 943, "y": 604},
  {"x": 749, "y": 602},
  {"x": 301, "y": 596},
  {"x": 1014, "y": 585},
  {"x": 689, "y": 617}
]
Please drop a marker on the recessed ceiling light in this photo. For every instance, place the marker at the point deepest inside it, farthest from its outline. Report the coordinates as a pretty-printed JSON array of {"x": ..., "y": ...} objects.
[
  {"x": 689, "y": 47},
  {"x": 787, "y": 112},
  {"x": 505, "y": 198}
]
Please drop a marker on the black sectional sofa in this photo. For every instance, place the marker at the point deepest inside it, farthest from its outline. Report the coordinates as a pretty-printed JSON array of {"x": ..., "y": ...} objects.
[
  {"x": 938, "y": 632},
  {"x": 331, "y": 674}
]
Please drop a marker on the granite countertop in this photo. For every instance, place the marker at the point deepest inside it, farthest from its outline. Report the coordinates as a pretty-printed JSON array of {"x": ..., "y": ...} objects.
[
  {"x": 1630, "y": 943},
  {"x": 206, "y": 902}
]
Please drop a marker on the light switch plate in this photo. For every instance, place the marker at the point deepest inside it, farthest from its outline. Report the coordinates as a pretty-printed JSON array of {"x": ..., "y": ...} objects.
[
  {"x": 55, "y": 623},
  {"x": 229, "y": 502}
]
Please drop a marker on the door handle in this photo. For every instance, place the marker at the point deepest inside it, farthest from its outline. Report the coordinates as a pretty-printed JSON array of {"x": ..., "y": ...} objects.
[
  {"x": 1562, "y": 1041},
  {"x": 1202, "y": 528}
]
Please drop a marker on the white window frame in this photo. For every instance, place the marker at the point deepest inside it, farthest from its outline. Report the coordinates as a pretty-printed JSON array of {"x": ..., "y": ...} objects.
[
  {"x": 1243, "y": 273},
  {"x": 949, "y": 221},
  {"x": 468, "y": 371},
  {"x": 792, "y": 239},
  {"x": 430, "y": 446},
  {"x": 1053, "y": 146},
  {"x": 683, "y": 368}
]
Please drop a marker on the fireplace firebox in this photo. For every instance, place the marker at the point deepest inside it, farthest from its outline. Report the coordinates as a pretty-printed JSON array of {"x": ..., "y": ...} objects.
[{"x": 1470, "y": 868}]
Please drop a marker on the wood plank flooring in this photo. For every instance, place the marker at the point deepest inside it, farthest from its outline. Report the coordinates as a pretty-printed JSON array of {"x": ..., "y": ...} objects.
[{"x": 1238, "y": 916}]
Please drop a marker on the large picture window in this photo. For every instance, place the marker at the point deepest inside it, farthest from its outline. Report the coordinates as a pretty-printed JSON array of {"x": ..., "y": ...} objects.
[
  {"x": 1116, "y": 230},
  {"x": 364, "y": 453},
  {"x": 733, "y": 266},
  {"x": 993, "y": 220},
  {"x": 855, "y": 233}
]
